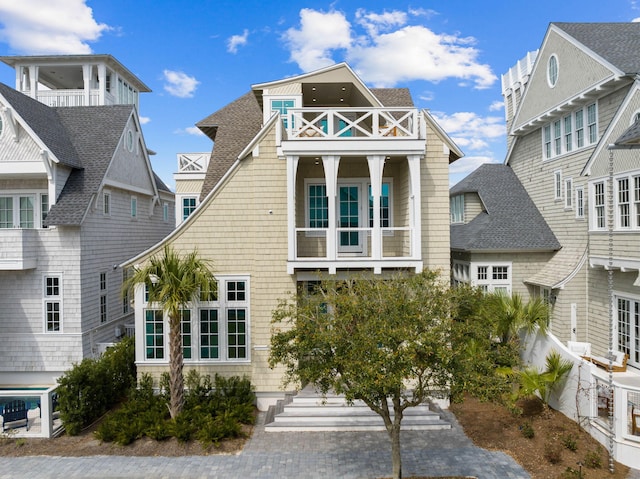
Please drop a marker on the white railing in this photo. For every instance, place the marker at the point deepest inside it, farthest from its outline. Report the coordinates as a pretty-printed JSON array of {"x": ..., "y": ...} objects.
[
  {"x": 352, "y": 123},
  {"x": 67, "y": 98},
  {"x": 193, "y": 162}
]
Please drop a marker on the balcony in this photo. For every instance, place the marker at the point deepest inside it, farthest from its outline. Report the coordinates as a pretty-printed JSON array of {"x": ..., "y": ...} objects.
[
  {"x": 67, "y": 97},
  {"x": 18, "y": 249},
  {"x": 353, "y": 123}
]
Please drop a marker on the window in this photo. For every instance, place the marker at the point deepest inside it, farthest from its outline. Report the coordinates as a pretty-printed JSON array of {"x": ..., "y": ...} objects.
[
  {"x": 27, "y": 209},
  {"x": 53, "y": 304},
  {"x": 557, "y": 178},
  {"x": 568, "y": 132},
  {"x": 103, "y": 297},
  {"x": 318, "y": 206},
  {"x": 493, "y": 277},
  {"x": 213, "y": 328},
  {"x": 552, "y": 71},
  {"x": 579, "y": 203},
  {"x": 457, "y": 208},
  {"x": 628, "y": 327},
  {"x": 624, "y": 207},
  {"x": 598, "y": 205},
  {"x": 591, "y": 123},
  {"x": 185, "y": 326},
  {"x": 134, "y": 207},
  {"x": 154, "y": 334},
  {"x": 1, "y": 125},
  {"x": 636, "y": 201},
  {"x": 165, "y": 212},
  {"x": 557, "y": 138},
  {"x": 385, "y": 212},
  {"x": 282, "y": 106},
  {"x": 568, "y": 193},
  {"x": 189, "y": 204},
  {"x": 6, "y": 212},
  {"x": 125, "y": 292},
  {"x": 44, "y": 208},
  {"x": 459, "y": 273},
  {"x": 130, "y": 140},
  {"x": 564, "y": 135},
  {"x": 106, "y": 203}
]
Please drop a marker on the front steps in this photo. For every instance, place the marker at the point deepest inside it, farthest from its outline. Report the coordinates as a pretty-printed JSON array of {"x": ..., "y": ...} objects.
[{"x": 308, "y": 412}]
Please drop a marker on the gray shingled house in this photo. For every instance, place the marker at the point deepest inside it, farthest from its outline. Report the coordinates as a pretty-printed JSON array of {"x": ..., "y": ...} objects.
[{"x": 77, "y": 197}]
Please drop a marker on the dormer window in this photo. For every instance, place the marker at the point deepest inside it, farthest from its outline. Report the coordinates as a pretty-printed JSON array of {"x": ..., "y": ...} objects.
[{"x": 457, "y": 208}]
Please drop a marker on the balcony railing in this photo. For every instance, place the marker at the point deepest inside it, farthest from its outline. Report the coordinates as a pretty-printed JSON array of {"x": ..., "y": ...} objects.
[
  {"x": 193, "y": 162},
  {"x": 354, "y": 243},
  {"x": 352, "y": 123},
  {"x": 72, "y": 97},
  {"x": 18, "y": 249}
]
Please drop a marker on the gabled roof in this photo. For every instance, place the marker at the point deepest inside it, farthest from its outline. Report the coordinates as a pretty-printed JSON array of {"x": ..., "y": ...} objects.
[
  {"x": 617, "y": 43},
  {"x": 45, "y": 123},
  {"x": 95, "y": 131},
  {"x": 510, "y": 222}
]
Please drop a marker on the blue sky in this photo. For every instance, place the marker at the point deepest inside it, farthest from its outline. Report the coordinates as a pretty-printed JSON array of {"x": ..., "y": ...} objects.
[{"x": 199, "y": 55}]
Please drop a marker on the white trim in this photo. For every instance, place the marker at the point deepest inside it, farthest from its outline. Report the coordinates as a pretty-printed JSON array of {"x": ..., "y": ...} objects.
[
  {"x": 552, "y": 82},
  {"x": 59, "y": 299}
]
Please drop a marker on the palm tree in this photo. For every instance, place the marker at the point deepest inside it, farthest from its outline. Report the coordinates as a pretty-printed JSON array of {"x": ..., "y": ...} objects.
[
  {"x": 510, "y": 314},
  {"x": 174, "y": 281}
]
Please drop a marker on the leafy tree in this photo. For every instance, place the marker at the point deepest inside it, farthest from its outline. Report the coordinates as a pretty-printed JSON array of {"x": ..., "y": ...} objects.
[
  {"x": 384, "y": 342},
  {"x": 174, "y": 281}
]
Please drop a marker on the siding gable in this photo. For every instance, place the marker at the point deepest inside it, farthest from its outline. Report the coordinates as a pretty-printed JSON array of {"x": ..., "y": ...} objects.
[{"x": 578, "y": 71}]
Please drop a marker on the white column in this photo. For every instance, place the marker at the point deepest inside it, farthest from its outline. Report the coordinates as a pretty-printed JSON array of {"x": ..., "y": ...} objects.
[
  {"x": 415, "y": 197},
  {"x": 331, "y": 164},
  {"x": 102, "y": 84},
  {"x": 86, "y": 76},
  {"x": 376, "y": 167},
  {"x": 292, "y": 168},
  {"x": 33, "y": 81}
]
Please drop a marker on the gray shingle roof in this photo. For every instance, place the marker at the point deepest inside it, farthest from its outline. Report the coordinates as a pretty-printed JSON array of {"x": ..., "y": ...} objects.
[
  {"x": 511, "y": 221},
  {"x": 393, "y": 96},
  {"x": 95, "y": 131},
  {"x": 45, "y": 123},
  {"x": 615, "y": 42}
]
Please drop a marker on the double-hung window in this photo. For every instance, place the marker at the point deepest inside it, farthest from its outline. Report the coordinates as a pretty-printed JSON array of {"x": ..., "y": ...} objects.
[
  {"x": 189, "y": 204},
  {"x": 566, "y": 134},
  {"x": 592, "y": 123},
  {"x": 103, "y": 297},
  {"x": 624, "y": 206},
  {"x": 154, "y": 334},
  {"x": 626, "y": 202},
  {"x": 579, "y": 202},
  {"x": 134, "y": 207},
  {"x": 318, "y": 206},
  {"x": 599, "y": 217},
  {"x": 557, "y": 185},
  {"x": 568, "y": 193},
  {"x": 52, "y": 303}
]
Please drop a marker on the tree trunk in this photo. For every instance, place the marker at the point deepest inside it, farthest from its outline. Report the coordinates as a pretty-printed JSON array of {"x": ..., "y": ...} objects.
[
  {"x": 176, "y": 380},
  {"x": 396, "y": 458}
]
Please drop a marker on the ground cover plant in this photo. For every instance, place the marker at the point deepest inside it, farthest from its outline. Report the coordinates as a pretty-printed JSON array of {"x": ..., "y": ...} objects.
[{"x": 213, "y": 410}]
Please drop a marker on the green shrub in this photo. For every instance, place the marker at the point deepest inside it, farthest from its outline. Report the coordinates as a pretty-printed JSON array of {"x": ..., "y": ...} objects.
[
  {"x": 570, "y": 473},
  {"x": 183, "y": 428},
  {"x": 593, "y": 460},
  {"x": 92, "y": 387},
  {"x": 570, "y": 441},
  {"x": 213, "y": 429},
  {"x": 527, "y": 430}
]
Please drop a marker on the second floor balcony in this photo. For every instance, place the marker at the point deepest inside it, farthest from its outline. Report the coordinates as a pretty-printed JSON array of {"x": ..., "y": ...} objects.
[
  {"x": 18, "y": 249},
  {"x": 353, "y": 123}
]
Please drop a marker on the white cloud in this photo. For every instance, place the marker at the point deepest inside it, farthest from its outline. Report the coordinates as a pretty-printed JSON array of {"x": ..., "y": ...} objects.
[
  {"x": 386, "y": 50},
  {"x": 144, "y": 120},
  {"x": 471, "y": 130},
  {"x": 190, "y": 130},
  {"x": 319, "y": 34},
  {"x": 49, "y": 26},
  {"x": 236, "y": 41},
  {"x": 462, "y": 167},
  {"x": 496, "y": 106},
  {"x": 179, "y": 83}
]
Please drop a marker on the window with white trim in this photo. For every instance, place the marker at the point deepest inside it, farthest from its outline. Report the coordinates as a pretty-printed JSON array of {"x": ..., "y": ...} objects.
[
  {"x": 628, "y": 326},
  {"x": 568, "y": 193},
  {"x": 557, "y": 185},
  {"x": 623, "y": 219},
  {"x": 44, "y": 208},
  {"x": 106, "y": 203},
  {"x": 189, "y": 204},
  {"x": 552, "y": 71},
  {"x": 599, "y": 221},
  {"x": 103, "y": 297},
  {"x": 52, "y": 303},
  {"x": 125, "y": 292},
  {"x": 185, "y": 330},
  {"x": 457, "y": 208},
  {"x": 165, "y": 212},
  {"x": 493, "y": 277},
  {"x": 636, "y": 201},
  {"x": 567, "y": 134},
  {"x": 579, "y": 202},
  {"x": 282, "y": 107},
  {"x": 22, "y": 210},
  {"x": 154, "y": 334},
  {"x": 134, "y": 207}
]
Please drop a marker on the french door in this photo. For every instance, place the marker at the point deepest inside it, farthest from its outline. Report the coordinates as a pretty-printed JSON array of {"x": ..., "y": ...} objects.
[{"x": 349, "y": 216}]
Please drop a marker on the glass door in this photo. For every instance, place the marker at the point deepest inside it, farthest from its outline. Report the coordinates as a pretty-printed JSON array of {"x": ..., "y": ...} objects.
[{"x": 349, "y": 214}]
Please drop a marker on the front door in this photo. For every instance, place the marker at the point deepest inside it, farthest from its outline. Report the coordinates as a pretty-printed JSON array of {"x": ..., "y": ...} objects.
[{"x": 349, "y": 214}]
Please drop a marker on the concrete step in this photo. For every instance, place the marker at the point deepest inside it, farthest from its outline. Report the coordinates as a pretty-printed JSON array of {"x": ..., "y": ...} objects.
[{"x": 341, "y": 425}]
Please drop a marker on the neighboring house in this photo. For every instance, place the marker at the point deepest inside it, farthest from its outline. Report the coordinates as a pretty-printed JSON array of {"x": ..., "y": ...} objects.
[
  {"x": 77, "y": 197},
  {"x": 565, "y": 106},
  {"x": 498, "y": 236},
  {"x": 313, "y": 174},
  {"x": 192, "y": 170}
]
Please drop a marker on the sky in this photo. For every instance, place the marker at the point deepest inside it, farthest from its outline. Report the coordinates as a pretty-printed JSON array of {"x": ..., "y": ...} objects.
[{"x": 198, "y": 56}]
